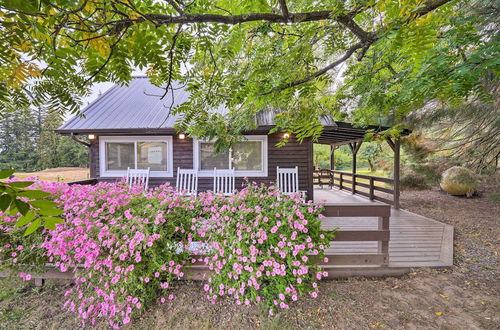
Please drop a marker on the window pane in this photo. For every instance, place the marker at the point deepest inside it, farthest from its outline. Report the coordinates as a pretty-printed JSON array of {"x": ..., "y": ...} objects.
[
  {"x": 119, "y": 156},
  {"x": 209, "y": 159},
  {"x": 152, "y": 155},
  {"x": 247, "y": 156}
]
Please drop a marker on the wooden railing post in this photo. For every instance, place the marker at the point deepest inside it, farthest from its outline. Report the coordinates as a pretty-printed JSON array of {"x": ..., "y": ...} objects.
[
  {"x": 353, "y": 185},
  {"x": 383, "y": 246},
  {"x": 372, "y": 184},
  {"x": 341, "y": 181}
]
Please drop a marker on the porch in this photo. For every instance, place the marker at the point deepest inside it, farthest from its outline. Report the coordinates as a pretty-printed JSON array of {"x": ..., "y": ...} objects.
[{"x": 368, "y": 244}]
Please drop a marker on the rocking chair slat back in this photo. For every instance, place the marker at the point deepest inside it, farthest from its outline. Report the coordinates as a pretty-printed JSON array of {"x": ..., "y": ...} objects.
[
  {"x": 138, "y": 177},
  {"x": 187, "y": 181},
  {"x": 224, "y": 182},
  {"x": 288, "y": 180}
]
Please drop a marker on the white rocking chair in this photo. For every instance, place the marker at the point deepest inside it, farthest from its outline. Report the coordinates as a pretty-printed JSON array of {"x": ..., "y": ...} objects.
[
  {"x": 224, "y": 182},
  {"x": 187, "y": 182},
  {"x": 138, "y": 177},
  {"x": 288, "y": 181}
]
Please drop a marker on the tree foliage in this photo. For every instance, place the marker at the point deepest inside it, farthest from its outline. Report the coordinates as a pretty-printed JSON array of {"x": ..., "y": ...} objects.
[
  {"x": 372, "y": 61},
  {"x": 28, "y": 142}
]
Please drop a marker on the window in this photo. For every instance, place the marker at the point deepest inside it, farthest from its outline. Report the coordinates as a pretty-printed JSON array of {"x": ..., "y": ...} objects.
[
  {"x": 248, "y": 158},
  {"x": 119, "y": 153}
]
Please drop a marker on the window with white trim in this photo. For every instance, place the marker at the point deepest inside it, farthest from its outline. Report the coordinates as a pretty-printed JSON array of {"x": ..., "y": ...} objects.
[
  {"x": 248, "y": 158},
  {"x": 117, "y": 153}
]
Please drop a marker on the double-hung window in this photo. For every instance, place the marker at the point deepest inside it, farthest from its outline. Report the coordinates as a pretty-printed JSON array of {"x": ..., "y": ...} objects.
[
  {"x": 117, "y": 153},
  {"x": 247, "y": 158}
]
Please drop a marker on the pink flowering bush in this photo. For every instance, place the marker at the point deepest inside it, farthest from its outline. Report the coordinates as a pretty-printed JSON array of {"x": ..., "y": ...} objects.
[
  {"x": 263, "y": 245},
  {"x": 127, "y": 246}
]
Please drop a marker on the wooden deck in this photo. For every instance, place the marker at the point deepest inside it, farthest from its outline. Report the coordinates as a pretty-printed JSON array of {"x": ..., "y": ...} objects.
[{"x": 415, "y": 241}]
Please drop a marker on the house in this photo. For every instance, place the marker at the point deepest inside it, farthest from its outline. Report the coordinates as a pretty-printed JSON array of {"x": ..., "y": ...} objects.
[{"x": 131, "y": 126}]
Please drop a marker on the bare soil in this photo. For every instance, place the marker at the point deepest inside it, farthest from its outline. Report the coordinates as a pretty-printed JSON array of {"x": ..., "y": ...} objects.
[{"x": 465, "y": 296}]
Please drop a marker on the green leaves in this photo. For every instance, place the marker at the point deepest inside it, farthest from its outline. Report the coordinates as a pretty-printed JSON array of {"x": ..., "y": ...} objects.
[
  {"x": 443, "y": 55},
  {"x": 50, "y": 222},
  {"x": 21, "y": 206},
  {"x": 33, "y": 226},
  {"x": 20, "y": 184},
  {"x": 32, "y": 206},
  {"x": 51, "y": 211},
  {"x": 5, "y": 201},
  {"x": 43, "y": 204},
  {"x": 25, "y": 219},
  {"x": 6, "y": 173},
  {"x": 28, "y": 6},
  {"x": 33, "y": 194}
]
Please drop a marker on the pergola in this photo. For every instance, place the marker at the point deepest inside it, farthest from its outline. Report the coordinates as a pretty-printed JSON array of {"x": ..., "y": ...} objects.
[{"x": 342, "y": 133}]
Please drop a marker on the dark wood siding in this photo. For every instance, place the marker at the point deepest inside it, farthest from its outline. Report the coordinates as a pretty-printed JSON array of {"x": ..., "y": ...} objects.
[{"x": 291, "y": 155}]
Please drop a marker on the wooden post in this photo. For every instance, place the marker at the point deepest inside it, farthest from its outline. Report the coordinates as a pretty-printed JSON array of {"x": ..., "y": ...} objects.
[
  {"x": 396, "y": 174},
  {"x": 396, "y": 147},
  {"x": 341, "y": 181},
  {"x": 383, "y": 246},
  {"x": 310, "y": 168},
  {"x": 93, "y": 160},
  {"x": 372, "y": 183},
  {"x": 332, "y": 157},
  {"x": 354, "y": 148}
]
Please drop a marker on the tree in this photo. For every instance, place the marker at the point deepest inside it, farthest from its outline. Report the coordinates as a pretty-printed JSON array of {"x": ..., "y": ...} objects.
[
  {"x": 18, "y": 135},
  {"x": 28, "y": 142},
  {"x": 370, "y": 152},
  {"x": 249, "y": 56}
]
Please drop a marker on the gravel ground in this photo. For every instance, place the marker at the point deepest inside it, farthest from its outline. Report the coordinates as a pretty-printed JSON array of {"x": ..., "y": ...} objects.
[{"x": 465, "y": 296}]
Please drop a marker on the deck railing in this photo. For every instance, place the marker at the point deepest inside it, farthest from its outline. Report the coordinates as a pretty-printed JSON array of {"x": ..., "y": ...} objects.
[
  {"x": 362, "y": 184},
  {"x": 382, "y": 234}
]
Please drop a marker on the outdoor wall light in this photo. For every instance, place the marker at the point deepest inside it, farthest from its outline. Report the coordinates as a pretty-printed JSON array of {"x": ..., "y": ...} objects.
[
  {"x": 182, "y": 136},
  {"x": 286, "y": 136},
  {"x": 91, "y": 136}
]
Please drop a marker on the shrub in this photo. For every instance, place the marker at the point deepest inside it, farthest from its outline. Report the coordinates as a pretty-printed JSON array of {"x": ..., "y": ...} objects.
[
  {"x": 126, "y": 246},
  {"x": 413, "y": 180},
  {"x": 261, "y": 249}
]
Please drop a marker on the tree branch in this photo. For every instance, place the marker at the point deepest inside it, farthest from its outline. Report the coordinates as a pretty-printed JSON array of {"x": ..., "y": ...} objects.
[
  {"x": 368, "y": 38},
  {"x": 320, "y": 72},
  {"x": 284, "y": 8},
  {"x": 176, "y": 7}
]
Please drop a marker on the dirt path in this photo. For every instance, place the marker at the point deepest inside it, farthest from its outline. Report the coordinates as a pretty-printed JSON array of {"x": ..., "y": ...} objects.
[{"x": 465, "y": 296}]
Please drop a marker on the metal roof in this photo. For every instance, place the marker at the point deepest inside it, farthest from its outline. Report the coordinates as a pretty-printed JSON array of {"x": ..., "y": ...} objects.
[{"x": 137, "y": 108}]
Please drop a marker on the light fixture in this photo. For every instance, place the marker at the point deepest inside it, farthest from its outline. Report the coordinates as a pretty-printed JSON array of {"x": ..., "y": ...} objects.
[
  {"x": 91, "y": 136},
  {"x": 182, "y": 136},
  {"x": 286, "y": 136}
]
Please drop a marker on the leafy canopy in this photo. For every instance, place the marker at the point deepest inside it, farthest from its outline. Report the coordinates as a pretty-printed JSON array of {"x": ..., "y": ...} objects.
[{"x": 366, "y": 60}]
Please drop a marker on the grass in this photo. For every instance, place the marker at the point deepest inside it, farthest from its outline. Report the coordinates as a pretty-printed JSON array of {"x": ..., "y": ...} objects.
[
  {"x": 494, "y": 197},
  {"x": 59, "y": 174}
]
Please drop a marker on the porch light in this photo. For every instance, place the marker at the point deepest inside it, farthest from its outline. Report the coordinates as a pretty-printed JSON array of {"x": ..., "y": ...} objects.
[
  {"x": 182, "y": 136},
  {"x": 91, "y": 136},
  {"x": 286, "y": 136}
]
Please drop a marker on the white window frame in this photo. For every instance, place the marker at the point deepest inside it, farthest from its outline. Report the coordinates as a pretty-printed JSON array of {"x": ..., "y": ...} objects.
[
  {"x": 241, "y": 173},
  {"x": 134, "y": 139}
]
